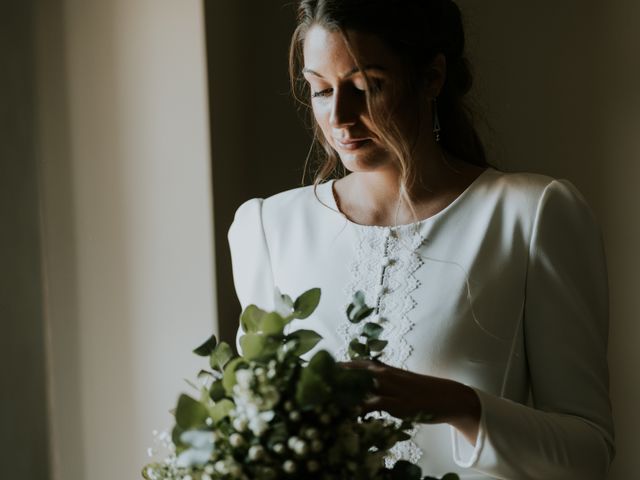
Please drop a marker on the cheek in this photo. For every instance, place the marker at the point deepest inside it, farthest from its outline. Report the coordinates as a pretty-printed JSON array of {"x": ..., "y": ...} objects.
[{"x": 321, "y": 116}]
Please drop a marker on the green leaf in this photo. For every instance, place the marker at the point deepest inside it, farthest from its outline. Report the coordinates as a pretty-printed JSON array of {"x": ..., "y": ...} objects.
[
  {"x": 252, "y": 345},
  {"x": 307, "y": 340},
  {"x": 221, "y": 409},
  {"x": 207, "y": 347},
  {"x": 217, "y": 392},
  {"x": 176, "y": 433},
  {"x": 250, "y": 319},
  {"x": 323, "y": 364},
  {"x": 362, "y": 313},
  {"x": 190, "y": 413},
  {"x": 451, "y": 476},
  {"x": 306, "y": 303},
  {"x": 358, "y": 349},
  {"x": 403, "y": 470},
  {"x": 272, "y": 324},
  {"x": 229, "y": 375},
  {"x": 311, "y": 389},
  {"x": 377, "y": 345},
  {"x": 372, "y": 330},
  {"x": 220, "y": 356}
]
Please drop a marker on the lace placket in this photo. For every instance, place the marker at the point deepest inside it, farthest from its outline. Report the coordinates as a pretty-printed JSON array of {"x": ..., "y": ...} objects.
[{"x": 383, "y": 268}]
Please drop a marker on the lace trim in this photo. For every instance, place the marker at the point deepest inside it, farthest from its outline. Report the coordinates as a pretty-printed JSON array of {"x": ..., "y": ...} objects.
[{"x": 384, "y": 268}]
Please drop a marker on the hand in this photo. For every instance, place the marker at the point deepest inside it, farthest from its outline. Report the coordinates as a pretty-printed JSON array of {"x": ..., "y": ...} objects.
[{"x": 404, "y": 394}]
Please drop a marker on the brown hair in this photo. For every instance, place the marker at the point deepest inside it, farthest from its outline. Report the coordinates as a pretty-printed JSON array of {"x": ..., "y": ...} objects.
[{"x": 417, "y": 31}]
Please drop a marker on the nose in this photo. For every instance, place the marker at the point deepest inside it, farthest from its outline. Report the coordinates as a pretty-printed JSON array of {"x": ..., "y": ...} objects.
[{"x": 344, "y": 109}]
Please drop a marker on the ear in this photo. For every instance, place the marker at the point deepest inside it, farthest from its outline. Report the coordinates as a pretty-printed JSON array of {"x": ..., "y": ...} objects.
[{"x": 436, "y": 75}]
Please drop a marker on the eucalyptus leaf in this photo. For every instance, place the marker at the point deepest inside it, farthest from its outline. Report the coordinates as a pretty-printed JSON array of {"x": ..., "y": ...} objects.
[
  {"x": 363, "y": 313},
  {"x": 216, "y": 391},
  {"x": 311, "y": 389},
  {"x": 207, "y": 347},
  {"x": 307, "y": 340},
  {"x": 306, "y": 303},
  {"x": 250, "y": 319},
  {"x": 229, "y": 378},
  {"x": 372, "y": 330},
  {"x": 358, "y": 349},
  {"x": 358, "y": 298},
  {"x": 190, "y": 413},
  {"x": 272, "y": 323},
  {"x": 404, "y": 470},
  {"x": 220, "y": 356},
  {"x": 221, "y": 409},
  {"x": 252, "y": 345},
  {"x": 323, "y": 364},
  {"x": 377, "y": 345}
]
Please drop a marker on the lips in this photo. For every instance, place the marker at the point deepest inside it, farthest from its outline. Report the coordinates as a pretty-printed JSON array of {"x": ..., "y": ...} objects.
[{"x": 352, "y": 143}]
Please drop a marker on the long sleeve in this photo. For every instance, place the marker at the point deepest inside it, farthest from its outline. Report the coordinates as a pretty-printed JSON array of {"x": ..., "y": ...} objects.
[
  {"x": 568, "y": 432},
  {"x": 250, "y": 260}
]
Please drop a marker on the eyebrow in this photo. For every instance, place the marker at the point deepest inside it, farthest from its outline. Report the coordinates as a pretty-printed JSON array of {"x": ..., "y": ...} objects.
[{"x": 351, "y": 72}]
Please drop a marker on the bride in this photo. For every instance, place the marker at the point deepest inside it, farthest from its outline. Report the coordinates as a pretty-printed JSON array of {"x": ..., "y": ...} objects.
[{"x": 491, "y": 286}]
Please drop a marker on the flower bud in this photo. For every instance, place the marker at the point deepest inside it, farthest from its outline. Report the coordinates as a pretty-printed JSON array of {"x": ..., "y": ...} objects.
[
  {"x": 311, "y": 433},
  {"x": 292, "y": 442},
  {"x": 240, "y": 424},
  {"x": 289, "y": 466},
  {"x": 301, "y": 448},
  {"x": 256, "y": 452},
  {"x": 294, "y": 416},
  {"x": 236, "y": 440}
]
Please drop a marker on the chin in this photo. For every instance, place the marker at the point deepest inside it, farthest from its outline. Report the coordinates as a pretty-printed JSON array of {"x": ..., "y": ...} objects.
[{"x": 361, "y": 162}]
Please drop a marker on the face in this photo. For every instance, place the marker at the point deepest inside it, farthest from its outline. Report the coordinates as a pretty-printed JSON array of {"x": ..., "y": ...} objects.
[{"x": 338, "y": 95}]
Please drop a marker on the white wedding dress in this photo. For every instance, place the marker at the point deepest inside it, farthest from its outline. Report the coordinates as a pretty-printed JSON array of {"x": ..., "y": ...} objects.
[{"x": 504, "y": 290}]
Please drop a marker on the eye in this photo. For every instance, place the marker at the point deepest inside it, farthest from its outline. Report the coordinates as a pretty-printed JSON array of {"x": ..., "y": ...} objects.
[{"x": 321, "y": 93}]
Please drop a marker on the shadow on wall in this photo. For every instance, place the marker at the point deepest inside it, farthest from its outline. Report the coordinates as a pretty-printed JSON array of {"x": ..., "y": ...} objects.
[{"x": 259, "y": 141}]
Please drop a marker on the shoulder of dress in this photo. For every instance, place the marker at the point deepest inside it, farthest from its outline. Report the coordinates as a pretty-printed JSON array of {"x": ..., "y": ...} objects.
[
  {"x": 290, "y": 203},
  {"x": 522, "y": 183}
]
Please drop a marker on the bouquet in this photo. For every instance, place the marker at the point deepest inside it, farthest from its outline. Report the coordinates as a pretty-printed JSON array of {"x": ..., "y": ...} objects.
[{"x": 270, "y": 415}]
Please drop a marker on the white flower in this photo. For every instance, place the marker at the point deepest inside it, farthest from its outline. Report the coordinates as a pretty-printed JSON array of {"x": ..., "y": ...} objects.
[
  {"x": 240, "y": 424},
  {"x": 221, "y": 467},
  {"x": 236, "y": 440},
  {"x": 256, "y": 452},
  {"x": 244, "y": 377},
  {"x": 258, "y": 425},
  {"x": 313, "y": 466},
  {"x": 278, "y": 448},
  {"x": 316, "y": 446},
  {"x": 300, "y": 447},
  {"x": 289, "y": 466},
  {"x": 325, "y": 418},
  {"x": 294, "y": 416}
]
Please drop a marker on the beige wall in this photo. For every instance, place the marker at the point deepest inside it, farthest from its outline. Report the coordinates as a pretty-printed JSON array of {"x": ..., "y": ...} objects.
[
  {"x": 127, "y": 222},
  {"x": 558, "y": 81}
]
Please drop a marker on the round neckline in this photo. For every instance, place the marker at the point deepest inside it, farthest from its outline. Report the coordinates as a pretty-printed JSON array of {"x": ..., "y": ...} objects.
[{"x": 451, "y": 205}]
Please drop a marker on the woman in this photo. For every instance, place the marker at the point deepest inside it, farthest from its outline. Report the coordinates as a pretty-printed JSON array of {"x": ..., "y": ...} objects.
[{"x": 491, "y": 287}]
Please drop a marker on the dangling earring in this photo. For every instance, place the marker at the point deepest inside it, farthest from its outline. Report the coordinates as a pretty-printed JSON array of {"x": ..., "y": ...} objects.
[{"x": 436, "y": 120}]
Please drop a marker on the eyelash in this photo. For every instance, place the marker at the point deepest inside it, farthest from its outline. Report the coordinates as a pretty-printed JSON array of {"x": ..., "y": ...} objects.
[{"x": 376, "y": 87}]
